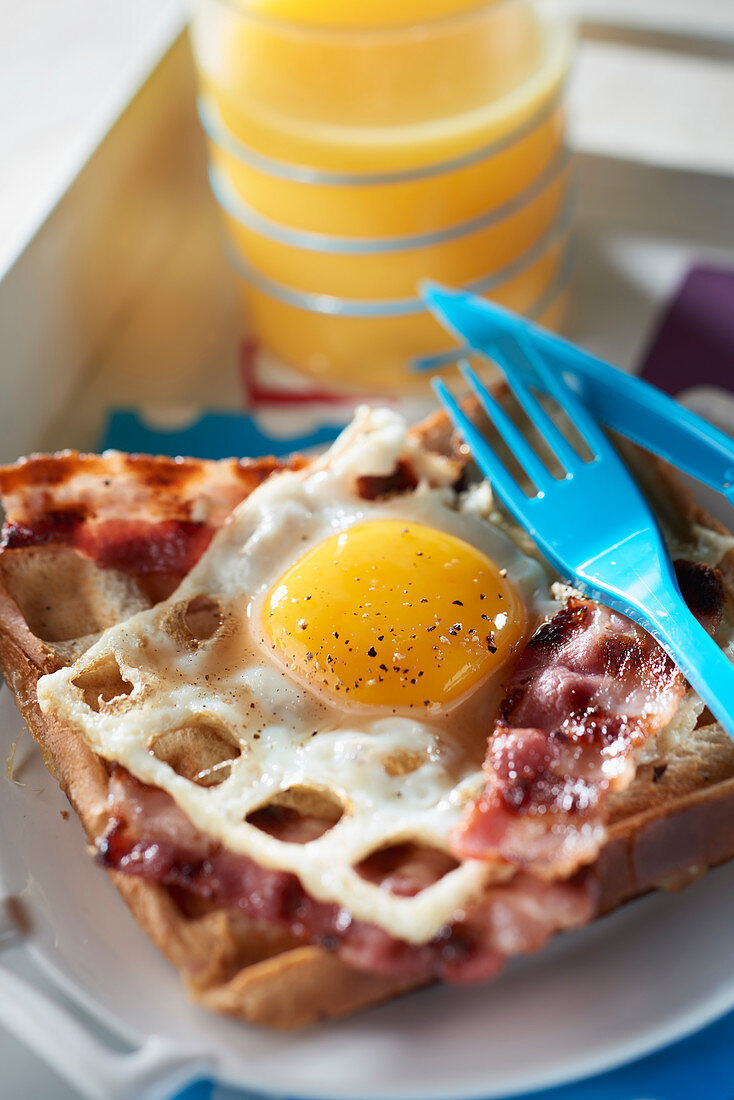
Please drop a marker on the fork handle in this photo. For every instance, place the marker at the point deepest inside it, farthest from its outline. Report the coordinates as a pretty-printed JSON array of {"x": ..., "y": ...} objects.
[{"x": 707, "y": 668}]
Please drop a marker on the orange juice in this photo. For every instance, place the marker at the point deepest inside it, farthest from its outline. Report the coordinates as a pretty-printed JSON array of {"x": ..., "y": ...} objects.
[
  {"x": 359, "y": 145},
  {"x": 330, "y": 344}
]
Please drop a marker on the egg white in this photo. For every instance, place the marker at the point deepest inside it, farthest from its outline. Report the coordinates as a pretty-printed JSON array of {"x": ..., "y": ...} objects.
[{"x": 292, "y": 735}]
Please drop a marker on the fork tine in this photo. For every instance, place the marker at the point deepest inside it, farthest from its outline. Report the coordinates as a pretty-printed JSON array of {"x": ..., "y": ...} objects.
[
  {"x": 536, "y": 470},
  {"x": 554, "y": 384},
  {"x": 468, "y": 318},
  {"x": 483, "y": 455},
  {"x": 507, "y": 354}
]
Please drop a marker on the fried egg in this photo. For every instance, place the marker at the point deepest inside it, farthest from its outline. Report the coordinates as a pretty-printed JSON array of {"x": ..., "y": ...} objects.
[{"x": 327, "y": 643}]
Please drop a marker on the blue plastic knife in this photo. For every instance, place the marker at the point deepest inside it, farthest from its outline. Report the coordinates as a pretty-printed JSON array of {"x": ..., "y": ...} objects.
[{"x": 627, "y": 404}]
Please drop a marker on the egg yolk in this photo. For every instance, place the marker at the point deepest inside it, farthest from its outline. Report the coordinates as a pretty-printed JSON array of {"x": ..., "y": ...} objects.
[{"x": 394, "y": 614}]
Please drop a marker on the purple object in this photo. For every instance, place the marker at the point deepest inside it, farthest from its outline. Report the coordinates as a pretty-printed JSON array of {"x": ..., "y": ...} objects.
[{"x": 694, "y": 342}]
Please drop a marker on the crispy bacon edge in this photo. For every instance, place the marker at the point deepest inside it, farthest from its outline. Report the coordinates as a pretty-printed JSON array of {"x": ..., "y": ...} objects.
[{"x": 590, "y": 689}]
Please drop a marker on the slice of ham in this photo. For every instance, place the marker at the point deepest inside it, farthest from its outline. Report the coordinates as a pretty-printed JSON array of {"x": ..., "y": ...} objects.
[
  {"x": 149, "y": 836},
  {"x": 589, "y": 690}
]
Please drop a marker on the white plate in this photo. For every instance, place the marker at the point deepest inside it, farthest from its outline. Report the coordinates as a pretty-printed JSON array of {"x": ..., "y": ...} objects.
[
  {"x": 649, "y": 974},
  {"x": 595, "y": 999}
]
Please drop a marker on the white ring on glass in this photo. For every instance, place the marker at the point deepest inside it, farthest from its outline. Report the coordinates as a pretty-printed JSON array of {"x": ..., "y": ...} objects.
[
  {"x": 218, "y": 132},
  {"x": 237, "y": 208},
  {"x": 329, "y": 304}
]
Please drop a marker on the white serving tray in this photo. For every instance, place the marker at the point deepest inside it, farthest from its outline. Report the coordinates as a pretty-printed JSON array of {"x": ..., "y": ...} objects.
[
  {"x": 123, "y": 297},
  {"x": 123, "y": 294}
]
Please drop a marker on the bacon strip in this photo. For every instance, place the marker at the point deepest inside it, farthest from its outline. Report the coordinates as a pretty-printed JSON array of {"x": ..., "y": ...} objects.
[
  {"x": 136, "y": 513},
  {"x": 589, "y": 690},
  {"x": 149, "y": 836},
  {"x": 402, "y": 480}
]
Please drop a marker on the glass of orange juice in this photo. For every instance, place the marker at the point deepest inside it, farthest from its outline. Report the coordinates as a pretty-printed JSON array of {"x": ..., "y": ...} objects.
[{"x": 358, "y": 146}]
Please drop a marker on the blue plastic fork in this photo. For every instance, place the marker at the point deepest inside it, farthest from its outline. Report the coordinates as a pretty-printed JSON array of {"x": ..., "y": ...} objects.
[
  {"x": 628, "y": 404},
  {"x": 619, "y": 560}
]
